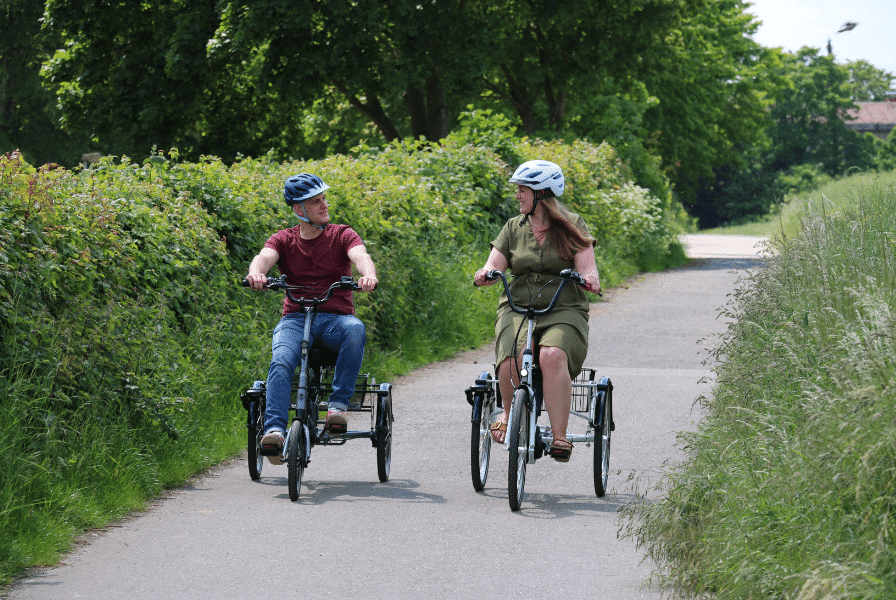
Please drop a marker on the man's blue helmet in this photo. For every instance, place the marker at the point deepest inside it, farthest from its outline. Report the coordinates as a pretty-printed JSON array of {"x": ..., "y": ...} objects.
[{"x": 303, "y": 186}]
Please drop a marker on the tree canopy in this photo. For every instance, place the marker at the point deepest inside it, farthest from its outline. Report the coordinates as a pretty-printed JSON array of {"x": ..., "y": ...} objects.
[{"x": 678, "y": 87}]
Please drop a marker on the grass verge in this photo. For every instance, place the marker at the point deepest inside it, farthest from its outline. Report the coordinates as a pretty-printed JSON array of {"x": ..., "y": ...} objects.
[{"x": 788, "y": 488}]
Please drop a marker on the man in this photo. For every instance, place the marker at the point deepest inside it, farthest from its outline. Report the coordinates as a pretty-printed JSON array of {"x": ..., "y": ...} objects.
[{"x": 315, "y": 253}]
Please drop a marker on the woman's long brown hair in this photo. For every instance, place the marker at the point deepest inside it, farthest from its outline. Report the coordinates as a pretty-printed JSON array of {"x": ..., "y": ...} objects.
[{"x": 570, "y": 239}]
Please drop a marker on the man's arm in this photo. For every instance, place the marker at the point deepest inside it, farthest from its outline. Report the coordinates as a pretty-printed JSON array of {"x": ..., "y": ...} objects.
[
  {"x": 260, "y": 266},
  {"x": 362, "y": 261}
]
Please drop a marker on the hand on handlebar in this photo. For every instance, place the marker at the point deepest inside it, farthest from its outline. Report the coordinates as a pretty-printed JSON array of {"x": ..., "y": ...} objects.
[
  {"x": 257, "y": 281},
  {"x": 590, "y": 283},
  {"x": 368, "y": 284},
  {"x": 485, "y": 276}
]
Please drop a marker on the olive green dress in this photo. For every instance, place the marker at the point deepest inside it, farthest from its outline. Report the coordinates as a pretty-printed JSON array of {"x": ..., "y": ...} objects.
[{"x": 535, "y": 268}]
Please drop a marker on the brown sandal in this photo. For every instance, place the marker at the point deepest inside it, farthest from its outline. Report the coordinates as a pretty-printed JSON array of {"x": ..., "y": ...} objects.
[
  {"x": 498, "y": 427},
  {"x": 561, "y": 450}
]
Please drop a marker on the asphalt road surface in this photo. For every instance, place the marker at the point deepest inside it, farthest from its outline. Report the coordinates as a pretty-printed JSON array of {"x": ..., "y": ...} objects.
[{"x": 426, "y": 533}]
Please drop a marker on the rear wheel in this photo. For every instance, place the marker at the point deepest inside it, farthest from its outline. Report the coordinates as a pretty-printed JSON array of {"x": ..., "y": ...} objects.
[
  {"x": 602, "y": 433},
  {"x": 295, "y": 459},
  {"x": 256, "y": 428},
  {"x": 518, "y": 442},
  {"x": 384, "y": 433},
  {"x": 481, "y": 438}
]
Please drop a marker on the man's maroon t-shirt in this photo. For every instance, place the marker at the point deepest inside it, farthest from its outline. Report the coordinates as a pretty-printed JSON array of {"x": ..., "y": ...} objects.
[{"x": 317, "y": 263}]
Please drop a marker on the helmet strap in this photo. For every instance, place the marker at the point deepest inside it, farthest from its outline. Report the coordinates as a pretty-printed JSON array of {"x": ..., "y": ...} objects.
[
  {"x": 536, "y": 197},
  {"x": 306, "y": 219}
]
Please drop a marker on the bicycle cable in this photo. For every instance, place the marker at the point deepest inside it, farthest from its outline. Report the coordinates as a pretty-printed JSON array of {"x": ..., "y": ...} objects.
[{"x": 515, "y": 354}]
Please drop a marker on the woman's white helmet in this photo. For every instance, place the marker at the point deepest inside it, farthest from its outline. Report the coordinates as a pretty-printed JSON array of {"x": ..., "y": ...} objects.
[{"x": 540, "y": 175}]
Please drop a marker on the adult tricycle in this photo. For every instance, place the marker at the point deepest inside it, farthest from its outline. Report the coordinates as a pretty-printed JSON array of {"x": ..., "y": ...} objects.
[
  {"x": 312, "y": 384},
  {"x": 526, "y": 441}
]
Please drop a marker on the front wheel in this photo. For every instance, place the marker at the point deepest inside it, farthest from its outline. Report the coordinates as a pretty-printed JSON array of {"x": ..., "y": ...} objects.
[
  {"x": 602, "y": 433},
  {"x": 384, "y": 433},
  {"x": 518, "y": 443},
  {"x": 295, "y": 459}
]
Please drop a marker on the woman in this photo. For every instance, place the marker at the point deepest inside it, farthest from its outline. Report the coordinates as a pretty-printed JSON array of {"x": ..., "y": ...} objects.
[{"x": 536, "y": 246}]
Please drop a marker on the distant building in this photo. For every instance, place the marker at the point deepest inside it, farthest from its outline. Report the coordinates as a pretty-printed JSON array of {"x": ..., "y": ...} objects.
[
  {"x": 878, "y": 118},
  {"x": 90, "y": 158}
]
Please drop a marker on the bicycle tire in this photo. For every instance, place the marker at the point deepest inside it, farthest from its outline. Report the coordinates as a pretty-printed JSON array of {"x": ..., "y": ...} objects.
[
  {"x": 602, "y": 436},
  {"x": 295, "y": 459},
  {"x": 481, "y": 438},
  {"x": 518, "y": 443},
  {"x": 384, "y": 433},
  {"x": 253, "y": 442}
]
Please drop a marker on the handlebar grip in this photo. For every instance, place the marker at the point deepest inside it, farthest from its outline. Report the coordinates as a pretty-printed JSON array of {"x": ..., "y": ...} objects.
[
  {"x": 578, "y": 279},
  {"x": 270, "y": 281}
]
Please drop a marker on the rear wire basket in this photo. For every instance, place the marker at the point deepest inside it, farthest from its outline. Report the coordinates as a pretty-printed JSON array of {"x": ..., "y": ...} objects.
[{"x": 581, "y": 390}]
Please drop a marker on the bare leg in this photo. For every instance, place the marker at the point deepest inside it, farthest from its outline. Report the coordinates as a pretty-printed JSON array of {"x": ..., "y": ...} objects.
[
  {"x": 507, "y": 379},
  {"x": 557, "y": 387}
]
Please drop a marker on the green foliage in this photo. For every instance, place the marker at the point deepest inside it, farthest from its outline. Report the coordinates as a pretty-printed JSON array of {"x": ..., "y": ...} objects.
[
  {"x": 120, "y": 333},
  {"x": 28, "y": 113},
  {"x": 807, "y": 144},
  {"x": 124, "y": 337},
  {"x": 713, "y": 84},
  {"x": 867, "y": 83},
  {"x": 788, "y": 486}
]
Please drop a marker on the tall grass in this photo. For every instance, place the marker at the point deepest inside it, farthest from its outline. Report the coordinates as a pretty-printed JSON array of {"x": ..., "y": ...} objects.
[
  {"x": 787, "y": 221},
  {"x": 788, "y": 489}
]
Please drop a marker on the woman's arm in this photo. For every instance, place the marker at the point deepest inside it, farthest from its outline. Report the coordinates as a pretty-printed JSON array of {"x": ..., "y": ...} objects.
[
  {"x": 496, "y": 262},
  {"x": 586, "y": 265}
]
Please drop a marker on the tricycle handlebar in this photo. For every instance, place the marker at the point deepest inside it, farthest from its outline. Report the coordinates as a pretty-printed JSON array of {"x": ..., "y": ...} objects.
[
  {"x": 566, "y": 275},
  {"x": 279, "y": 283}
]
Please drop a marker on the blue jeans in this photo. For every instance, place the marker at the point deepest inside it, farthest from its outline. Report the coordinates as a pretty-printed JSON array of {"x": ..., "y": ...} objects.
[{"x": 344, "y": 334}]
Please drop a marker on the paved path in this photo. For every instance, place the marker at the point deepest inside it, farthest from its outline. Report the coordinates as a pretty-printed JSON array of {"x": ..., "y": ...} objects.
[{"x": 426, "y": 533}]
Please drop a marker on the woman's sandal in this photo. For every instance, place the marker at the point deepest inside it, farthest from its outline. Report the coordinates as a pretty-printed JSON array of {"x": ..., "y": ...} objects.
[
  {"x": 561, "y": 450},
  {"x": 496, "y": 428}
]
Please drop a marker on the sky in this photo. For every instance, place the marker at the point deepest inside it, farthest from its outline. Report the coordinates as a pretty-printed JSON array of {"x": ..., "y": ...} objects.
[{"x": 792, "y": 24}]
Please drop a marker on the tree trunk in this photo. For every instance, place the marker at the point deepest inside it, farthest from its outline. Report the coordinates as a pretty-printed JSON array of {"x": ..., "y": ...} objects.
[
  {"x": 437, "y": 110},
  {"x": 416, "y": 103},
  {"x": 516, "y": 95},
  {"x": 373, "y": 110}
]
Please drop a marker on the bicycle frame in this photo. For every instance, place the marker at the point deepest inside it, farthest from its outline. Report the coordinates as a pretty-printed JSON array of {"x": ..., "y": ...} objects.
[
  {"x": 309, "y": 307},
  {"x": 525, "y": 372},
  {"x": 301, "y": 405}
]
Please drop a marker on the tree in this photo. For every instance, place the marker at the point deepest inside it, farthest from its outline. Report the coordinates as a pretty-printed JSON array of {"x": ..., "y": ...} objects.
[
  {"x": 554, "y": 54},
  {"x": 867, "y": 83},
  {"x": 29, "y": 120},
  {"x": 714, "y": 85},
  {"x": 808, "y": 116},
  {"x": 406, "y": 67},
  {"x": 133, "y": 72},
  {"x": 805, "y": 143}
]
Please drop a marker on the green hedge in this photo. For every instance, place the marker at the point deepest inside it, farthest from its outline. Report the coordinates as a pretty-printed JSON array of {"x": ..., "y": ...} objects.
[{"x": 126, "y": 338}]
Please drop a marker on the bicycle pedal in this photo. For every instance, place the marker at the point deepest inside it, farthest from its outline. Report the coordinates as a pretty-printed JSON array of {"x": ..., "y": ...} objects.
[
  {"x": 270, "y": 450},
  {"x": 337, "y": 430},
  {"x": 540, "y": 445}
]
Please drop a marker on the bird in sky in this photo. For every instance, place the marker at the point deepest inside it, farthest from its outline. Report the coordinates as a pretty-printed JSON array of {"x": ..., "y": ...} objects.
[{"x": 848, "y": 26}]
